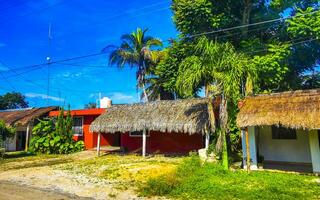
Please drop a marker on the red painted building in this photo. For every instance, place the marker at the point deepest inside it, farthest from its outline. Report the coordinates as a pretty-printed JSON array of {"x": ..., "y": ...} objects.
[
  {"x": 81, "y": 122},
  {"x": 171, "y": 127},
  {"x": 164, "y": 143},
  {"x": 120, "y": 126}
]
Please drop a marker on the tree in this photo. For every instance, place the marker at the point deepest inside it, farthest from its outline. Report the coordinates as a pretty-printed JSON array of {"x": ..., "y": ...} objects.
[
  {"x": 194, "y": 17},
  {"x": 136, "y": 50},
  {"x": 220, "y": 70},
  {"x": 55, "y": 136},
  {"x": 90, "y": 105},
  {"x": 12, "y": 100},
  {"x": 5, "y": 132}
]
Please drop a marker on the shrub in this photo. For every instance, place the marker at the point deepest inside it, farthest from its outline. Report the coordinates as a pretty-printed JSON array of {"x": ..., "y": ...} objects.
[
  {"x": 52, "y": 136},
  {"x": 5, "y": 132}
]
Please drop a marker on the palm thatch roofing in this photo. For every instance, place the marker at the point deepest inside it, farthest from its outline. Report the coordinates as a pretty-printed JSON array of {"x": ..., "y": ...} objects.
[
  {"x": 184, "y": 116},
  {"x": 294, "y": 109},
  {"x": 24, "y": 116}
]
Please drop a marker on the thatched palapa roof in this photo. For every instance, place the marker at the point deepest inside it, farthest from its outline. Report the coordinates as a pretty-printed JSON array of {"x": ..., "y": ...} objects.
[
  {"x": 24, "y": 116},
  {"x": 185, "y": 116},
  {"x": 295, "y": 109}
]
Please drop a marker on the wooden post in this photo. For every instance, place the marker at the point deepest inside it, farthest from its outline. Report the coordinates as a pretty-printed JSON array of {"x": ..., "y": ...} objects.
[
  {"x": 207, "y": 140},
  {"x": 27, "y": 137},
  {"x": 98, "y": 144},
  {"x": 144, "y": 141},
  {"x": 247, "y": 149}
]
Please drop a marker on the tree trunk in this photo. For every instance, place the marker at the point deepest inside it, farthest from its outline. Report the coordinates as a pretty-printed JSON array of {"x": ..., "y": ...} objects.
[
  {"x": 246, "y": 17},
  {"x": 223, "y": 125},
  {"x": 145, "y": 92}
]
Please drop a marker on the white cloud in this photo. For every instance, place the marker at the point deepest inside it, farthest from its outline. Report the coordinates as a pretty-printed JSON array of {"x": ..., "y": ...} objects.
[
  {"x": 120, "y": 97},
  {"x": 43, "y": 96}
]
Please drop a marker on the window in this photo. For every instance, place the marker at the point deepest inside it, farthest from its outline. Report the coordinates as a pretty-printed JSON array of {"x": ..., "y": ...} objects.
[
  {"x": 281, "y": 133},
  {"x": 138, "y": 134},
  {"x": 77, "y": 126}
]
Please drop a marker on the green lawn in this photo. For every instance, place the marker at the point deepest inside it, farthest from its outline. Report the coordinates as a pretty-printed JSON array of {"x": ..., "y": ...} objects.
[
  {"x": 192, "y": 180},
  {"x": 173, "y": 177}
]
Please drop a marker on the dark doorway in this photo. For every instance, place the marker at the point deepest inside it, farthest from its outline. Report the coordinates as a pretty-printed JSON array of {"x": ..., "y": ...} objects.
[
  {"x": 21, "y": 140},
  {"x": 117, "y": 140}
]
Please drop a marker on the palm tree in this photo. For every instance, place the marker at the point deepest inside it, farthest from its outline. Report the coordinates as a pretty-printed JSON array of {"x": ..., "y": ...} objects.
[
  {"x": 136, "y": 50},
  {"x": 220, "y": 70}
]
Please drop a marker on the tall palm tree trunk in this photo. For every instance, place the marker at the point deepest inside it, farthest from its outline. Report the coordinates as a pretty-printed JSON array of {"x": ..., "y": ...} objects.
[{"x": 223, "y": 125}]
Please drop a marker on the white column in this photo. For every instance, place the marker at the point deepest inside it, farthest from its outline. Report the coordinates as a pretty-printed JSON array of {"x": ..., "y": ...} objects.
[
  {"x": 315, "y": 150},
  {"x": 144, "y": 141},
  {"x": 207, "y": 140},
  {"x": 98, "y": 144},
  {"x": 244, "y": 148},
  {"x": 27, "y": 137},
  {"x": 253, "y": 148}
]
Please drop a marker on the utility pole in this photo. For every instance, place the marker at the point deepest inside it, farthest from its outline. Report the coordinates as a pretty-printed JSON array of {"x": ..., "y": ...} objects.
[{"x": 48, "y": 63}]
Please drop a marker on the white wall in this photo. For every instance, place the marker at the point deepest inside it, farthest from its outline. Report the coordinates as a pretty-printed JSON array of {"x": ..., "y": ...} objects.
[
  {"x": 11, "y": 144},
  {"x": 296, "y": 150}
]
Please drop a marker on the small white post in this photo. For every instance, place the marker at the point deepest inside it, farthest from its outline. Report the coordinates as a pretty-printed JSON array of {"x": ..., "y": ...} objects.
[
  {"x": 144, "y": 141},
  {"x": 27, "y": 137},
  {"x": 98, "y": 144},
  {"x": 207, "y": 140},
  {"x": 315, "y": 150},
  {"x": 253, "y": 148}
]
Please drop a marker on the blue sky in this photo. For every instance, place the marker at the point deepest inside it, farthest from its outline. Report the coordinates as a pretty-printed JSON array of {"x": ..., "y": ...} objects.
[{"x": 79, "y": 27}]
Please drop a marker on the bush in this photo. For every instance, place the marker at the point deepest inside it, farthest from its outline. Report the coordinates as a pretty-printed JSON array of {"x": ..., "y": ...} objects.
[{"x": 55, "y": 137}]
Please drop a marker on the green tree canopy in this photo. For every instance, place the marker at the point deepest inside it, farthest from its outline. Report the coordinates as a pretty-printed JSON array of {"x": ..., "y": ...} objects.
[{"x": 13, "y": 100}]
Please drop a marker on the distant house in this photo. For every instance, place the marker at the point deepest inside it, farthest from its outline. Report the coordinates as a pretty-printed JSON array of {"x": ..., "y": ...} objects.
[
  {"x": 23, "y": 120},
  {"x": 81, "y": 122},
  {"x": 167, "y": 127},
  {"x": 281, "y": 130}
]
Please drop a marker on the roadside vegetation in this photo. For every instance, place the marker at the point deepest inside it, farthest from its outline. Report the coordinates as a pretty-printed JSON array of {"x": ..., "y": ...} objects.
[
  {"x": 194, "y": 180},
  {"x": 55, "y": 136}
]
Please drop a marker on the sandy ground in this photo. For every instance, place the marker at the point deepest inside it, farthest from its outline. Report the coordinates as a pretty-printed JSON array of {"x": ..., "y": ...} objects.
[
  {"x": 21, "y": 192},
  {"x": 62, "y": 185}
]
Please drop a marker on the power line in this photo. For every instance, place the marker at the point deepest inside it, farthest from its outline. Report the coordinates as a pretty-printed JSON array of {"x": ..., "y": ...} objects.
[
  {"x": 34, "y": 11},
  {"x": 248, "y": 25},
  {"x": 35, "y": 67}
]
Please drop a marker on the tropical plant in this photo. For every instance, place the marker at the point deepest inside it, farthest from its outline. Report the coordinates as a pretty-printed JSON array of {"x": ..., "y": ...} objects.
[
  {"x": 136, "y": 50},
  {"x": 219, "y": 68},
  {"x": 55, "y": 136},
  {"x": 297, "y": 27},
  {"x": 90, "y": 105},
  {"x": 5, "y": 132}
]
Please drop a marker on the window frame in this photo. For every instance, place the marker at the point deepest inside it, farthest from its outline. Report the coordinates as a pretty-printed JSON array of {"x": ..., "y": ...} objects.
[
  {"x": 130, "y": 134},
  {"x": 82, "y": 120},
  {"x": 277, "y": 135}
]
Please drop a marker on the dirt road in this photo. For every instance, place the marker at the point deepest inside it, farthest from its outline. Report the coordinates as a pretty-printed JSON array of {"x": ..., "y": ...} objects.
[{"x": 10, "y": 190}]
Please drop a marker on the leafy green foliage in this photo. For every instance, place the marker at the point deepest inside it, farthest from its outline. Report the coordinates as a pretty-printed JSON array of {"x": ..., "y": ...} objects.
[
  {"x": 52, "y": 137},
  {"x": 306, "y": 23},
  {"x": 271, "y": 67},
  {"x": 12, "y": 100},
  {"x": 5, "y": 132},
  {"x": 192, "y": 180},
  {"x": 137, "y": 50}
]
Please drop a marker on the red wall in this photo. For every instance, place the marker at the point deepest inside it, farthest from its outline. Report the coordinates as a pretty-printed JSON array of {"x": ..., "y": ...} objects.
[
  {"x": 159, "y": 142},
  {"x": 90, "y": 139}
]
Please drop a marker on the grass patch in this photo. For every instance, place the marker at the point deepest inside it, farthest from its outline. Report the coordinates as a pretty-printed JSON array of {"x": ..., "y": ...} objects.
[
  {"x": 128, "y": 170},
  {"x": 22, "y": 159},
  {"x": 192, "y": 180}
]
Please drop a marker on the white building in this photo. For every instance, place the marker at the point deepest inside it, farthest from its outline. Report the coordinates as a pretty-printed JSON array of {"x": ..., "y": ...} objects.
[
  {"x": 281, "y": 131},
  {"x": 23, "y": 120}
]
